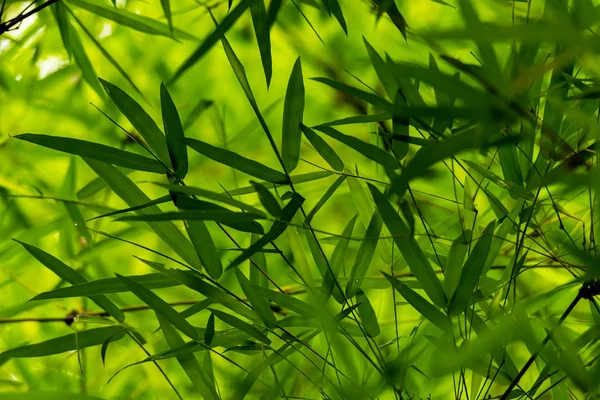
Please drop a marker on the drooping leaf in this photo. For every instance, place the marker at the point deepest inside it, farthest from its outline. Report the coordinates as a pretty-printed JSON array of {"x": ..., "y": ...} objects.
[
  {"x": 471, "y": 272},
  {"x": 293, "y": 111},
  {"x": 95, "y": 151},
  {"x": 70, "y": 275},
  {"x": 259, "y": 303},
  {"x": 242, "y": 326},
  {"x": 365, "y": 255},
  {"x": 140, "y": 120},
  {"x": 160, "y": 307},
  {"x": 72, "y": 341},
  {"x": 323, "y": 148},
  {"x": 174, "y": 133},
  {"x": 209, "y": 332},
  {"x": 260, "y": 22},
  {"x": 213, "y": 38},
  {"x": 205, "y": 247},
  {"x": 237, "y": 161},
  {"x": 367, "y": 314},
  {"x": 410, "y": 249},
  {"x": 267, "y": 199}
]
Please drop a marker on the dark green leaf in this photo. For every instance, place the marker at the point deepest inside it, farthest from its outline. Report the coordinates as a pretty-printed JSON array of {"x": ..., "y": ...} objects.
[
  {"x": 267, "y": 199},
  {"x": 367, "y": 314},
  {"x": 174, "y": 133},
  {"x": 293, "y": 110},
  {"x": 209, "y": 332},
  {"x": 258, "y": 12},
  {"x": 324, "y": 149},
  {"x": 259, "y": 303},
  {"x": 242, "y": 326}
]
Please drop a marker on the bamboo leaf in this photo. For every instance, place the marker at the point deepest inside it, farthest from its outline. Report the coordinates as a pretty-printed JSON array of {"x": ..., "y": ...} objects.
[
  {"x": 70, "y": 342},
  {"x": 205, "y": 247},
  {"x": 365, "y": 255},
  {"x": 209, "y": 332},
  {"x": 68, "y": 274},
  {"x": 324, "y": 150},
  {"x": 471, "y": 272},
  {"x": 234, "y": 160},
  {"x": 425, "y": 308},
  {"x": 367, "y": 97},
  {"x": 174, "y": 133},
  {"x": 140, "y": 120},
  {"x": 259, "y": 303},
  {"x": 242, "y": 326},
  {"x": 160, "y": 307},
  {"x": 367, "y": 314},
  {"x": 258, "y": 12},
  {"x": 267, "y": 199},
  {"x": 413, "y": 254},
  {"x": 293, "y": 111},
  {"x": 210, "y": 41},
  {"x": 95, "y": 151}
]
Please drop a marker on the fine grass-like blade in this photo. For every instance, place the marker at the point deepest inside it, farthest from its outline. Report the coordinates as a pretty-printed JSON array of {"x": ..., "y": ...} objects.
[
  {"x": 174, "y": 133},
  {"x": 425, "y": 308},
  {"x": 210, "y": 41},
  {"x": 330, "y": 191},
  {"x": 293, "y": 110},
  {"x": 241, "y": 325},
  {"x": 203, "y": 215},
  {"x": 160, "y": 307},
  {"x": 323, "y": 148},
  {"x": 365, "y": 255},
  {"x": 133, "y": 196},
  {"x": 471, "y": 272},
  {"x": 188, "y": 361},
  {"x": 413, "y": 254},
  {"x": 367, "y": 314},
  {"x": 73, "y": 277},
  {"x": 262, "y": 32},
  {"x": 259, "y": 303},
  {"x": 296, "y": 179},
  {"x": 125, "y": 18},
  {"x": 95, "y": 151},
  {"x": 336, "y": 260},
  {"x": 160, "y": 200},
  {"x": 515, "y": 190},
  {"x": 70, "y": 342},
  {"x": 140, "y": 120},
  {"x": 234, "y": 160}
]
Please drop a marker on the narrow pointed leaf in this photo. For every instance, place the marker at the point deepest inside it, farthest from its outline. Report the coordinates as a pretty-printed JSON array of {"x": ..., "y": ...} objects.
[
  {"x": 209, "y": 332},
  {"x": 205, "y": 247},
  {"x": 293, "y": 110},
  {"x": 259, "y": 303},
  {"x": 323, "y": 148},
  {"x": 367, "y": 314},
  {"x": 267, "y": 199},
  {"x": 95, "y": 151},
  {"x": 242, "y": 326},
  {"x": 174, "y": 133},
  {"x": 258, "y": 12}
]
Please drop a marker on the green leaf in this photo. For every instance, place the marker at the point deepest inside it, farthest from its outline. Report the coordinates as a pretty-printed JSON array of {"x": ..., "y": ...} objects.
[
  {"x": 210, "y": 41},
  {"x": 140, "y": 120},
  {"x": 454, "y": 263},
  {"x": 335, "y": 262},
  {"x": 209, "y": 332},
  {"x": 287, "y": 301},
  {"x": 106, "y": 286},
  {"x": 276, "y": 230},
  {"x": 125, "y": 18},
  {"x": 296, "y": 179},
  {"x": 188, "y": 361},
  {"x": 267, "y": 199},
  {"x": 35, "y": 395},
  {"x": 241, "y": 325},
  {"x": 74, "y": 47},
  {"x": 367, "y": 314},
  {"x": 471, "y": 272},
  {"x": 397, "y": 19},
  {"x": 258, "y": 12},
  {"x": 68, "y": 274},
  {"x": 205, "y": 247},
  {"x": 370, "y": 98},
  {"x": 259, "y": 303},
  {"x": 160, "y": 307},
  {"x": 203, "y": 215},
  {"x": 70, "y": 342},
  {"x": 237, "y": 161},
  {"x": 326, "y": 196},
  {"x": 425, "y": 308},
  {"x": 95, "y": 151},
  {"x": 365, "y": 255},
  {"x": 221, "y": 198},
  {"x": 133, "y": 196},
  {"x": 336, "y": 10},
  {"x": 368, "y": 150},
  {"x": 386, "y": 77},
  {"x": 160, "y": 200},
  {"x": 323, "y": 148},
  {"x": 293, "y": 111},
  {"x": 412, "y": 253},
  {"x": 166, "y": 6},
  {"x": 515, "y": 191},
  {"x": 174, "y": 133}
]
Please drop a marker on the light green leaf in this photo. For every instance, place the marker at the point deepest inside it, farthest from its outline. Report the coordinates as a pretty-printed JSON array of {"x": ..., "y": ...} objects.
[
  {"x": 293, "y": 111},
  {"x": 367, "y": 314},
  {"x": 259, "y": 303}
]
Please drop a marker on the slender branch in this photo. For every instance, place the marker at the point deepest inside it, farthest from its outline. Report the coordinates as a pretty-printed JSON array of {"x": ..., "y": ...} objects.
[{"x": 8, "y": 25}]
